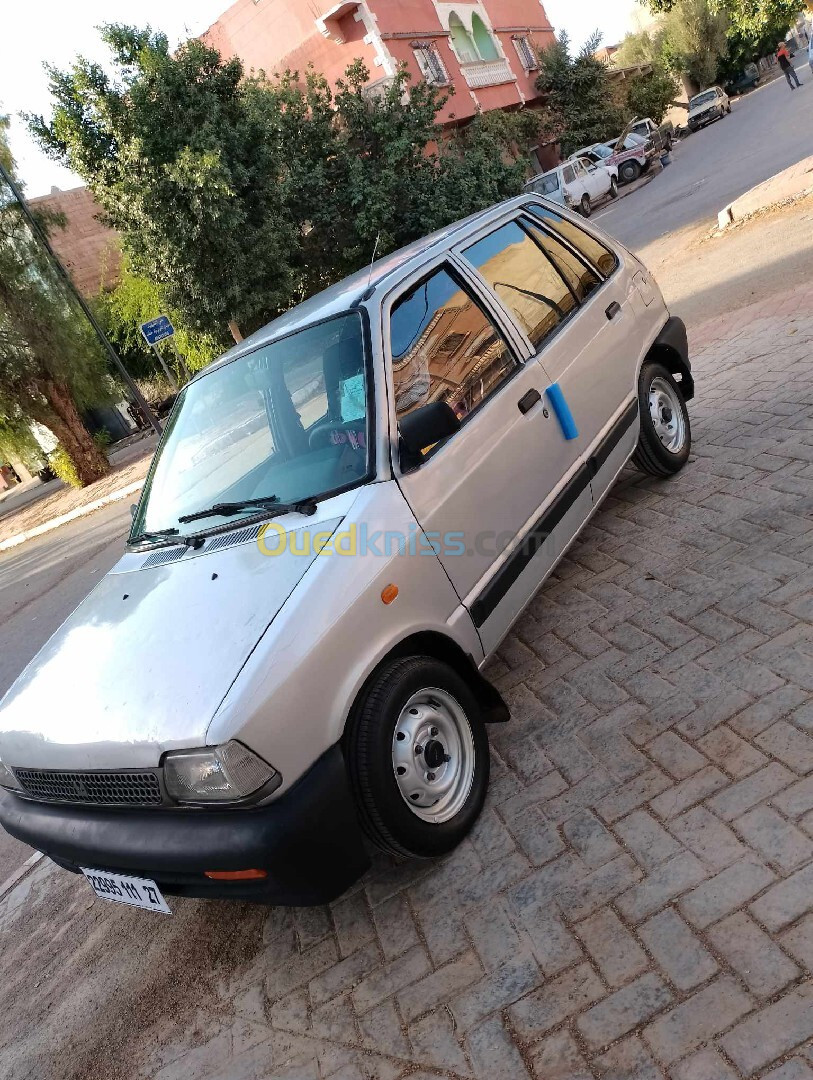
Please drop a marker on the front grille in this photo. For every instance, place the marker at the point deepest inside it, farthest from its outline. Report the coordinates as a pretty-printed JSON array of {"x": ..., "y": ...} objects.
[{"x": 97, "y": 788}]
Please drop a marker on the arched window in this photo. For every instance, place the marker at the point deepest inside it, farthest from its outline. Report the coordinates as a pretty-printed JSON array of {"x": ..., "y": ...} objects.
[
  {"x": 461, "y": 39},
  {"x": 483, "y": 40}
]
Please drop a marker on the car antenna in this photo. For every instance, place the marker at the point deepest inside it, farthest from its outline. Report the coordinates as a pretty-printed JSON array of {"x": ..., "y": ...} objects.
[{"x": 375, "y": 249}]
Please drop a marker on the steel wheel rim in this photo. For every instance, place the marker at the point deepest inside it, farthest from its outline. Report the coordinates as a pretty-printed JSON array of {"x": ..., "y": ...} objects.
[
  {"x": 666, "y": 413},
  {"x": 433, "y": 755}
]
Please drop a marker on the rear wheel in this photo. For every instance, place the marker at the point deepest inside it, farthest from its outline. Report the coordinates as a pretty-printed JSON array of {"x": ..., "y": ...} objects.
[
  {"x": 613, "y": 188},
  {"x": 666, "y": 437},
  {"x": 629, "y": 171},
  {"x": 417, "y": 754},
  {"x": 585, "y": 207}
]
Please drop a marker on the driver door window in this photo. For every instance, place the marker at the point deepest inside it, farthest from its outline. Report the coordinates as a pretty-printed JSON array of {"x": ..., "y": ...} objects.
[{"x": 445, "y": 348}]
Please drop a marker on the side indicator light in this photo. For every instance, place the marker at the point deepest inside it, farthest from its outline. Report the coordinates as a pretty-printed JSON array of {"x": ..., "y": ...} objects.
[
  {"x": 235, "y": 875},
  {"x": 388, "y": 594}
]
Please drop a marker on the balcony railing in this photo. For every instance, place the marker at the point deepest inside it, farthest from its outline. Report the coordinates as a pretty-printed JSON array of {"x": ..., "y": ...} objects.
[{"x": 486, "y": 73}]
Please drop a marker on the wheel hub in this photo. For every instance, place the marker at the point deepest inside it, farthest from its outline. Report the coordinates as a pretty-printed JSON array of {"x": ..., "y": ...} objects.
[
  {"x": 667, "y": 416},
  {"x": 433, "y": 755}
]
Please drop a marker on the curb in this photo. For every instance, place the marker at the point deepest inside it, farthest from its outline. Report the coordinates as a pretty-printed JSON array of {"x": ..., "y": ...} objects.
[
  {"x": 19, "y": 874},
  {"x": 72, "y": 515}
]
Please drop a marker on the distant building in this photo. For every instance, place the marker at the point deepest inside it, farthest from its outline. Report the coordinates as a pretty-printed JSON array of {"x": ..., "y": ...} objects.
[
  {"x": 606, "y": 53},
  {"x": 87, "y": 247},
  {"x": 485, "y": 50}
]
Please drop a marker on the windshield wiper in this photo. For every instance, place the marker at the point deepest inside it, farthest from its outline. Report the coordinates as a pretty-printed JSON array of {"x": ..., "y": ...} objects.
[
  {"x": 270, "y": 502},
  {"x": 156, "y": 534}
]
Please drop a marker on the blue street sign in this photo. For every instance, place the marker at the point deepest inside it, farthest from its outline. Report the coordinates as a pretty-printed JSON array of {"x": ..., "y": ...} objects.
[{"x": 157, "y": 329}]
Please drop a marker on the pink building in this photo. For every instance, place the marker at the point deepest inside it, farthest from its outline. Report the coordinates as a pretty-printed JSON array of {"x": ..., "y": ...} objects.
[{"x": 483, "y": 49}]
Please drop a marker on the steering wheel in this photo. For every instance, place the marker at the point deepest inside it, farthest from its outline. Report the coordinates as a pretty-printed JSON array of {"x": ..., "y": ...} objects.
[{"x": 321, "y": 436}]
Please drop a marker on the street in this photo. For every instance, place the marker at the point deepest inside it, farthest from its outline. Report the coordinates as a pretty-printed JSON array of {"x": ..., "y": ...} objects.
[
  {"x": 635, "y": 902},
  {"x": 767, "y": 131}
]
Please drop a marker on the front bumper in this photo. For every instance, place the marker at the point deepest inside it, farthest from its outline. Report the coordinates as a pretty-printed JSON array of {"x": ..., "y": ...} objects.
[{"x": 308, "y": 840}]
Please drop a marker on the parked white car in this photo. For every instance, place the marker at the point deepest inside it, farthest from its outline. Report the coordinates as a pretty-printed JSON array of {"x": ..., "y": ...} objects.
[
  {"x": 712, "y": 104},
  {"x": 577, "y": 183},
  {"x": 343, "y": 519}
]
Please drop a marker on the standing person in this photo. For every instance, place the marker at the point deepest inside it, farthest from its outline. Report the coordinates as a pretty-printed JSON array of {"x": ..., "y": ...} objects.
[{"x": 783, "y": 56}]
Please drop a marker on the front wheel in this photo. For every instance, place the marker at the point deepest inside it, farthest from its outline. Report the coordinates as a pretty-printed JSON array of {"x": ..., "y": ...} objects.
[
  {"x": 613, "y": 188},
  {"x": 417, "y": 755},
  {"x": 585, "y": 207},
  {"x": 666, "y": 437}
]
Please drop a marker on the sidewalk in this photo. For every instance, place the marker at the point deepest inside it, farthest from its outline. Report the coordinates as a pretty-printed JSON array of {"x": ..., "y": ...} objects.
[
  {"x": 783, "y": 188},
  {"x": 66, "y": 503}
]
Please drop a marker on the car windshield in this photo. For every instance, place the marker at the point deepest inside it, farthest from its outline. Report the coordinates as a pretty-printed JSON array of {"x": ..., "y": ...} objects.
[
  {"x": 702, "y": 99},
  {"x": 602, "y": 151},
  {"x": 288, "y": 421}
]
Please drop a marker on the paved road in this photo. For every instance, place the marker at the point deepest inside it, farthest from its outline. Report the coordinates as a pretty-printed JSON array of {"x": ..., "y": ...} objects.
[
  {"x": 41, "y": 582},
  {"x": 768, "y": 130}
]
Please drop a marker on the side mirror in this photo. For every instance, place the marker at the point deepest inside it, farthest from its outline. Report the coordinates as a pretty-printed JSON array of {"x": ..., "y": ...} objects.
[{"x": 424, "y": 427}]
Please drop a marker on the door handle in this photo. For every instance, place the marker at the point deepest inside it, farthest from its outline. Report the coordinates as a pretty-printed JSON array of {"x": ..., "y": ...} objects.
[
  {"x": 527, "y": 401},
  {"x": 613, "y": 310}
]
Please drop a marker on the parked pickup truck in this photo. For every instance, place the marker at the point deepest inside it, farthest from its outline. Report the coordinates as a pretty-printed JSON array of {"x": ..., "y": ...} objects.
[
  {"x": 659, "y": 138},
  {"x": 629, "y": 154}
]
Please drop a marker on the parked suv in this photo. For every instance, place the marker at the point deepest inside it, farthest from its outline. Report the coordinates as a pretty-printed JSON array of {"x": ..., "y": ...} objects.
[
  {"x": 343, "y": 519},
  {"x": 578, "y": 183},
  {"x": 712, "y": 104}
]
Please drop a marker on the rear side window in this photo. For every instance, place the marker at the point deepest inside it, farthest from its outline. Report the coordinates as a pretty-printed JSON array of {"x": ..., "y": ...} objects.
[
  {"x": 593, "y": 250},
  {"x": 445, "y": 348},
  {"x": 525, "y": 279},
  {"x": 581, "y": 278},
  {"x": 568, "y": 175}
]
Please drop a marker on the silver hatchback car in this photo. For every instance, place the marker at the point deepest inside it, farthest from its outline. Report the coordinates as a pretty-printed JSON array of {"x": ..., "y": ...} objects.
[{"x": 343, "y": 519}]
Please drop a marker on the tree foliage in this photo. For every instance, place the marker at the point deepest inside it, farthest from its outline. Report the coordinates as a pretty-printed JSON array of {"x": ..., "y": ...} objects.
[
  {"x": 652, "y": 95},
  {"x": 50, "y": 363},
  {"x": 751, "y": 30},
  {"x": 136, "y": 300},
  {"x": 580, "y": 107},
  {"x": 695, "y": 40},
  {"x": 239, "y": 196}
]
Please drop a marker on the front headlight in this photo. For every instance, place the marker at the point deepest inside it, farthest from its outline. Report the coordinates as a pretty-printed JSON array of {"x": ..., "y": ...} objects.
[
  {"x": 217, "y": 774},
  {"x": 8, "y": 779}
]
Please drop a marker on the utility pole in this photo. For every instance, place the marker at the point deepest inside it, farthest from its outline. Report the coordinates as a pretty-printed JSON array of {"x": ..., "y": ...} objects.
[{"x": 40, "y": 234}]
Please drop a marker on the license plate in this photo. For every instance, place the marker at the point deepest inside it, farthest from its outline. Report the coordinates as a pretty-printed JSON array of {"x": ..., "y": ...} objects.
[{"x": 135, "y": 891}]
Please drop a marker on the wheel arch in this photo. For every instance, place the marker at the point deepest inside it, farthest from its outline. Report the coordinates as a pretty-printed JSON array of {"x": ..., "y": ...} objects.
[
  {"x": 670, "y": 348},
  {"x": 443, "y": 648}
]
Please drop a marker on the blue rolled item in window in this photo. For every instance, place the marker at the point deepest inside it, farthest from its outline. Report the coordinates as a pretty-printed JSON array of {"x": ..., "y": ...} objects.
[{"x": 562, "y": 410}]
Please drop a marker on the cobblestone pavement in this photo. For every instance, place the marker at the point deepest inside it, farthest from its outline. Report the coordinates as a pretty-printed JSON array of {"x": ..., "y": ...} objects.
[{"x": 636, "y": 902}]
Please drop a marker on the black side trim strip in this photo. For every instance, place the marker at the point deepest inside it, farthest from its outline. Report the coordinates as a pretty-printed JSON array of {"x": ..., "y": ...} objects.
[
  {"x": 613, "y": 437},
  {"x": 499, "y": 585}
]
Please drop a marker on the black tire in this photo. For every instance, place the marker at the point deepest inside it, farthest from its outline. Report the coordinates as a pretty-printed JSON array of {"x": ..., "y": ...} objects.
[
  {"x": 651, "y": 455},
  {"x": 613, "y": 188},
  {"x": 629, "y": 171},
  {"x": 386, "y": 816},
  {"x": 585, "y": 206}
]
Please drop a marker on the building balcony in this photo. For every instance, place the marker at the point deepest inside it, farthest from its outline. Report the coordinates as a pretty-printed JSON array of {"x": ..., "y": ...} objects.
[{"x": 479, "y": 73}]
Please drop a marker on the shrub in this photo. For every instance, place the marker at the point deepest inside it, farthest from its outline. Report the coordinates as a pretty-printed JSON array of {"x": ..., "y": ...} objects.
[{"x": 61, "y": 464}]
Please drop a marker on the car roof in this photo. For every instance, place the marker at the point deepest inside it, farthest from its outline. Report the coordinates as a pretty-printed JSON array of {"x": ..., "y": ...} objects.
[{"x": 351, "y": 291}]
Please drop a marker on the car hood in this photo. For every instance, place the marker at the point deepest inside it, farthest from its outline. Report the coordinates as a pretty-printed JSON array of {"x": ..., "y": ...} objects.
[{"x": 143, "y": 663}]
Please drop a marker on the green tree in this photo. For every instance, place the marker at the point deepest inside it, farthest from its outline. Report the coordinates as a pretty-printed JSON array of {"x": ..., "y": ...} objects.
[
  {"x": 239, "y": 196},
  {"x": 651, "y": 95},
  {"x": 580, "y": 107},
  {"x": 753, "y": 28},
  {"x": 136, "y": 300},
  {"x": 695, "y": 41},
  {"x": 50, "y": 363}
]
